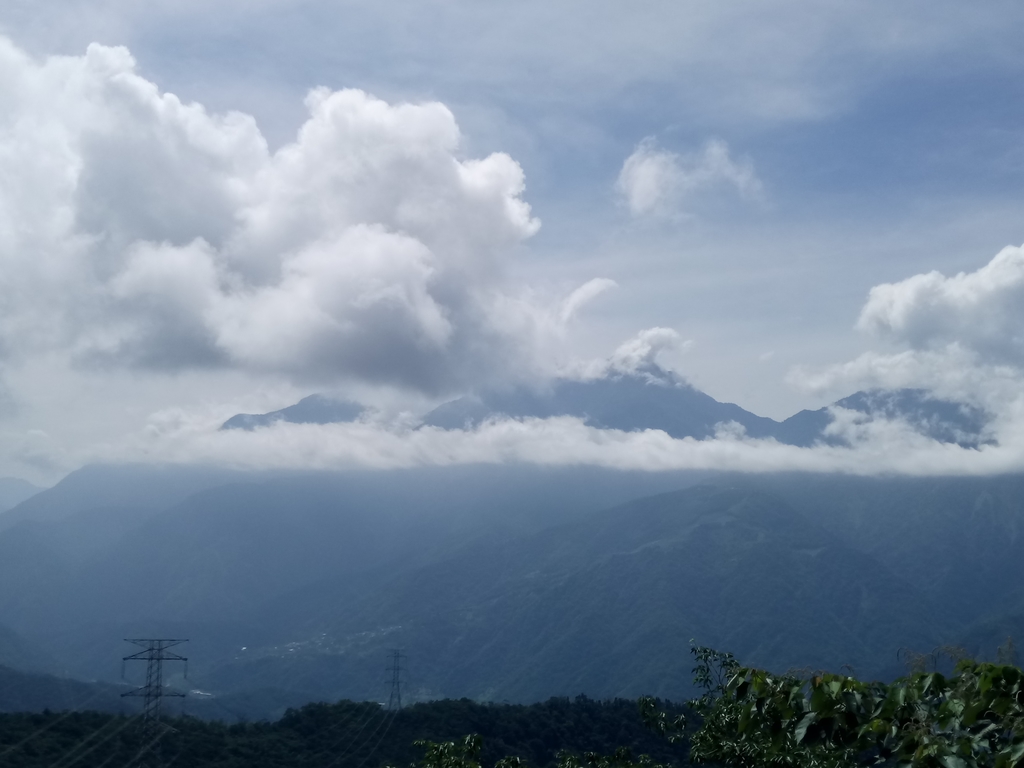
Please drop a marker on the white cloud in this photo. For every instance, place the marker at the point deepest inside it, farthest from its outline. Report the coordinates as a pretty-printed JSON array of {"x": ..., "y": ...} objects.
[
  {"x": 953, "y": 373},
  {"x": 141, "y": 232},
  {"x": 877, "y": 446},
  {"x": 655, "y": 181},
  {"x": 646, "y": 354},
  {"x": 982, "y": 311},
  {"x": 642, "y": 352},
  {"x": 962, "y": 338},
  {"x": 583, "y": 295}
]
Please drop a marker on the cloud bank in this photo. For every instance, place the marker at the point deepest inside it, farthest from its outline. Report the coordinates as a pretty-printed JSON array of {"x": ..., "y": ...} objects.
[{"x": 876, "y": 447}]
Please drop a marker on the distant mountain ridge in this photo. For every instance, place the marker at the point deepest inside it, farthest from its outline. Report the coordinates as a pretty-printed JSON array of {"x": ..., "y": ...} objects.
[
  {"x": 946, "y": 421},
  {"x": 315, "y": 409},
  {"x": 657, "y": 399}
]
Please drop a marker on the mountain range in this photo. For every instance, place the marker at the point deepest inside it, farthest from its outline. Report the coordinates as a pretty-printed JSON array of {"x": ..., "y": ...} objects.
[{"x": 653, "y": 398}]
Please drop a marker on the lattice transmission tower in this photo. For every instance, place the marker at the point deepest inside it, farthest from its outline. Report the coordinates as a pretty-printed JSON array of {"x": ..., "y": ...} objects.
[
  {"x": 395, "y": 668},
  {"x": 154, "y": 652}
]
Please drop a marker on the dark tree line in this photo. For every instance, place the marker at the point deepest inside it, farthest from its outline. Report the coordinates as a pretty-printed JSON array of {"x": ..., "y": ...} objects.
[{"x": 342, "y": 735}]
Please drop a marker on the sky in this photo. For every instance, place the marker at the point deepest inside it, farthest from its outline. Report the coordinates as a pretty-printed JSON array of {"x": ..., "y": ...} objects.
[{"x": 221, "y": 207}]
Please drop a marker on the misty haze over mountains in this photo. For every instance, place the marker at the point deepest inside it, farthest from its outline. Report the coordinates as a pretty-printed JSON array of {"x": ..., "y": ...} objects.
[{"x": 507, "y": 582}]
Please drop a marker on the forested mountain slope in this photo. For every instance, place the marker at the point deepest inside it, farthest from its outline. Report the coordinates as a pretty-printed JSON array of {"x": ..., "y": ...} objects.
[
  {"x": 608, "y": 603},
  {"x": 510, "y": 582},
  {"x": 958, "y": 539}
]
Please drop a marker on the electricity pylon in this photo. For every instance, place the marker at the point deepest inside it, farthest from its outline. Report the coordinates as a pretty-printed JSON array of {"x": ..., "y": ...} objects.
[
  {"x": 395, "y": 668},
  {"x": 154, "y": 652}
]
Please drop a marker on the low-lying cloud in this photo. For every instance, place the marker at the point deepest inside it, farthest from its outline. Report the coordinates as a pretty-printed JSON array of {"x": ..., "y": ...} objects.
[{"x": 877, "y": 446}]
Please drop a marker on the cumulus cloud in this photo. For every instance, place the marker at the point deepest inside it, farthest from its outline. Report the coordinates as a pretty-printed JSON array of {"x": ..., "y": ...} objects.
[
  {"x": 138, "y": 231},
  {"x": 641, "y": 352},
  {"x": 643, "y": 355},
  {"x": 658, "y": 182},
  {"x": 959, "y": 337},
  {"x": 982, "y": 311}
]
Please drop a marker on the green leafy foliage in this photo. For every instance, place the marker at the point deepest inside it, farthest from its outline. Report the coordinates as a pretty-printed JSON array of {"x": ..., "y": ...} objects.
[{"x": 751, "y": 718}]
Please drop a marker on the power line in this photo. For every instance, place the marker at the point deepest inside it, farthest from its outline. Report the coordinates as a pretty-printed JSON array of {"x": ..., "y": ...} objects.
[
  {"x": 373, "y": 749},
  {"x": 357, "y": 722},
  {"x": 394, "y": 705},
  {"x": 354, "y": 744},
  {"x": 147, "y": 746}
]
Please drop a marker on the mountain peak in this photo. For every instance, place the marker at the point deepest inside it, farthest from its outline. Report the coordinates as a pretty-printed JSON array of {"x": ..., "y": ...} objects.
[
  {"x": 947, "y": 421},
  {"x": 645, "y": 397}
]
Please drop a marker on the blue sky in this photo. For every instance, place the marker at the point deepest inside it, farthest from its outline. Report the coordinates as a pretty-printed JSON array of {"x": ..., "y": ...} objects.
[{"x": 885, "y": 139}]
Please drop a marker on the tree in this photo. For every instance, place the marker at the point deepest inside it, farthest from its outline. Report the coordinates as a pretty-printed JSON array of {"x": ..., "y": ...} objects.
[{"x": 750, "y": 718}]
